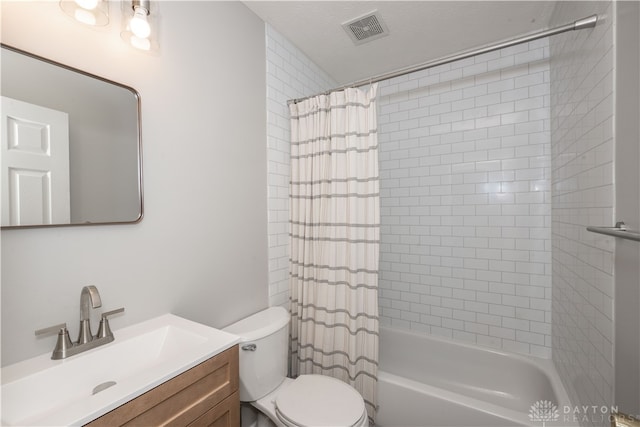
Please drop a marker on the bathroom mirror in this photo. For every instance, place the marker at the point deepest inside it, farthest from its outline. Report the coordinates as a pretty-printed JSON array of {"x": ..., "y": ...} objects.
[{"x": 71, "y": 146}]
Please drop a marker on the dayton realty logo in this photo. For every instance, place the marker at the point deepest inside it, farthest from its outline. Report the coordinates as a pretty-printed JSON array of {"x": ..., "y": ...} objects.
[{"x": 544, "y": 411}]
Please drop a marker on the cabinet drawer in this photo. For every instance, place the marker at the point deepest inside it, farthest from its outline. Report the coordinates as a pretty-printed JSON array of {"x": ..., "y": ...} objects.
[
  {"x": 226, "y": 414},
  {"x": 181, "y": 400}
]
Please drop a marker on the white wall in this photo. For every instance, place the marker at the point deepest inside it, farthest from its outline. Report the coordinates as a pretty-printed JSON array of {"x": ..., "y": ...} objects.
[
  {"x": 290, "y": 75},
  {"x": 201, "y": 250},
  {"x": 582, "y": 140}
]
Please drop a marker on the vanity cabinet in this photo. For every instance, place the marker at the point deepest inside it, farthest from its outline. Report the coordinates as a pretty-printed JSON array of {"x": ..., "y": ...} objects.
[{"x": 205, "y": 395}]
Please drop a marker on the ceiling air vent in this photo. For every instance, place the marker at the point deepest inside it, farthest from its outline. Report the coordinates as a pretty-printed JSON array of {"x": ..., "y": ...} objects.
[{"x": 366, "y": 28}]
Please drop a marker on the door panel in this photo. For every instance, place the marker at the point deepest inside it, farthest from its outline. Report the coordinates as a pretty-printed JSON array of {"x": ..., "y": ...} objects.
[{"x": 35, "y": 164}]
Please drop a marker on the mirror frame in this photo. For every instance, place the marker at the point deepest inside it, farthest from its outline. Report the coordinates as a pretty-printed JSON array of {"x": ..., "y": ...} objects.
[{"x": 138, "y": 137}]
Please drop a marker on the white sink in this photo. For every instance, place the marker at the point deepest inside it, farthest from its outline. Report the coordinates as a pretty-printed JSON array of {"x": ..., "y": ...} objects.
[{"x": 41, "y": 391}]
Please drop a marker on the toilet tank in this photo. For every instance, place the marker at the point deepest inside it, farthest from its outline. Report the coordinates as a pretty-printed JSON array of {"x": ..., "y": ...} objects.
[{"x": 263, "y": 351}]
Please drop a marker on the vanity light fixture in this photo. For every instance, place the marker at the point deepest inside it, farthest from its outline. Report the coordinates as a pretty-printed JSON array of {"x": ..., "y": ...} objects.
[
  {"x": 89, "y": 12},
  {"x": 138, "y": 30}
]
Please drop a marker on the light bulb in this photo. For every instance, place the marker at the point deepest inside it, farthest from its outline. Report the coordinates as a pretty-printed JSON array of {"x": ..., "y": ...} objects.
[
  {"x": 139, "y": 25},
  {"x": 87, "y": 4}
]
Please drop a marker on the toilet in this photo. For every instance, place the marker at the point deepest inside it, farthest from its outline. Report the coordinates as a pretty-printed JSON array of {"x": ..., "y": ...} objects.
[{"x": 307, "y": 401}]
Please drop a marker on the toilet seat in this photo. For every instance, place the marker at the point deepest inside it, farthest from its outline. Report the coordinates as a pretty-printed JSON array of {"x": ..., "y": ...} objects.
[{"x": 318, "y": 400}]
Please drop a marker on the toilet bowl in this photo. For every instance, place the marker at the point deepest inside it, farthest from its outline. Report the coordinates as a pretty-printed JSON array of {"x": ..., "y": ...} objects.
[
  {"x": 308, "y": 400},
  {"x": 314, "y": 400}
]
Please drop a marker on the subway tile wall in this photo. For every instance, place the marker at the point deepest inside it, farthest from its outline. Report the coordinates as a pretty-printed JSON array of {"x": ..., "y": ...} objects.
[
  {"x": 582, "y": 111},
  {"x": 465, "y": 200},
  {"x": 290, "y": 75},
  {"x": 467, "y": 223}
]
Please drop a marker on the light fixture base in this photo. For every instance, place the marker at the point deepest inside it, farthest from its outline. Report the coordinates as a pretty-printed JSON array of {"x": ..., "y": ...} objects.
[{"x": 144, "y": 4}]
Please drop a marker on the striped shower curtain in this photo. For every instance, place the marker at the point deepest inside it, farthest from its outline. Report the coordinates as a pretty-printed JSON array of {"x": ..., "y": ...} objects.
[{"x": 334, "y": 239}]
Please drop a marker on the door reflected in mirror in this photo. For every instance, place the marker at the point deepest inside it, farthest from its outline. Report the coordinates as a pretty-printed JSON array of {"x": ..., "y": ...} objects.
[{"x": 71, "y": 148}]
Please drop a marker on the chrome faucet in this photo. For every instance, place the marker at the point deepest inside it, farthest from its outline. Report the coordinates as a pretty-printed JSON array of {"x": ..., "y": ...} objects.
[
  {"x": 88, "y": 294},
  {"x": 89, "y": 298}
]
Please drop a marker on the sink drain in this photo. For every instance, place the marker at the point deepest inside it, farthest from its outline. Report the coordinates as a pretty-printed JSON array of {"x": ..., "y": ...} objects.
[{"x": 105, "y": 385}]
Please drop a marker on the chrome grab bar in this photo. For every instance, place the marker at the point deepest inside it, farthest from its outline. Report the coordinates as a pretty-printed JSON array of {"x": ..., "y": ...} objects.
[{"x": 620, "y": 230}]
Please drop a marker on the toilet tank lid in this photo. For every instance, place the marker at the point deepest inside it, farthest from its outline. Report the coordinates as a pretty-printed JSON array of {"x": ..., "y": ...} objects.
[{"x": 260, "y": 324}]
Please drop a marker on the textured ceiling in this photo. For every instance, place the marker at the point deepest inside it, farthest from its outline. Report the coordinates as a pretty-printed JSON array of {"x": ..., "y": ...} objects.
[{"x": 418, "y": 30}]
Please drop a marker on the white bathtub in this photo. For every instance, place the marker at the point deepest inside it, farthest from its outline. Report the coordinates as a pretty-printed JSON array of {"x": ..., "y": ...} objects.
[{"x": 429, "y": 381}]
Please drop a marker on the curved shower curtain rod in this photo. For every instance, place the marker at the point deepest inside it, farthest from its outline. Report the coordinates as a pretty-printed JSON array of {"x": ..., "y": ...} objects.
[{"x": 580, "y": 24}]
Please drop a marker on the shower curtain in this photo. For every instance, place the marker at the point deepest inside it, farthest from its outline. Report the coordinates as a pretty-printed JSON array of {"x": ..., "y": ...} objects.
[{"x": 334, "y": 239}]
